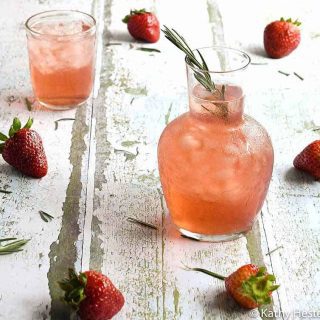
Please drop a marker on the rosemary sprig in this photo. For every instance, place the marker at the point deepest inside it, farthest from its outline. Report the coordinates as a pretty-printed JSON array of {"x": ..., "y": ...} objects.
[
  {"x": 298, "y": 76},
  {"x": 203, "y": 75},
  {"x": 142, "y": 223},
  {"x": 11, "y": 247},
  {"x": 148, "y": 49},
  {"x": 45, "y": 216},
  {"x": 56, "y": 123},
  {"x": 284, "y": 73},
  {"x": 5, "y": 191},
  {"x": 274, "y": 250},
  {"x": 113, "y": 44}
]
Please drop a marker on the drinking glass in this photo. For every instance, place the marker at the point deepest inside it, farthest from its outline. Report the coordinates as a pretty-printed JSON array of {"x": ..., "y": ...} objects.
[{"x": 61, "y": 46}]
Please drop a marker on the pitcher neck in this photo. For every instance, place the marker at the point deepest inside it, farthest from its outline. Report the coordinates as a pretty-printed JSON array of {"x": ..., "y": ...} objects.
[{"x": 225, "y": 105}]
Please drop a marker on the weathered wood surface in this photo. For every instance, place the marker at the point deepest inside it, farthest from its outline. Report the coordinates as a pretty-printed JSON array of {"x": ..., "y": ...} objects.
[{"x": 103, "y": 168}]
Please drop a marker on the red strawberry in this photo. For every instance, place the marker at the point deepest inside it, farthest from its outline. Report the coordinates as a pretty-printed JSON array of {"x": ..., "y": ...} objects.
[
  {"x": 250, "y": 286},
  {"x": 143, "y": 25},
  {"x": 92, "y": 294},
  {"x": 281, "y": 37},
  {"x": 309, "y": 159},
  {"x": 23, "y": 150}
]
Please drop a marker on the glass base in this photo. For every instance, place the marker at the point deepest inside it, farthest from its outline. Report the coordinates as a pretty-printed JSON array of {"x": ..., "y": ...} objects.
[
  {"x": 62, "y": 107},
  {"x": 212, "y": 238}
]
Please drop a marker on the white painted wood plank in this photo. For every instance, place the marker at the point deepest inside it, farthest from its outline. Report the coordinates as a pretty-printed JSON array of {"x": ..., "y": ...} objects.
[{"x": 24, "y": 284}]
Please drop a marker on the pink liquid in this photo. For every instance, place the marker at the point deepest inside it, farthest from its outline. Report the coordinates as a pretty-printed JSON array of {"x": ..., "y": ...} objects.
[
  {"x": 215, "y": 167},
  {"x": 62, "y": 68}
]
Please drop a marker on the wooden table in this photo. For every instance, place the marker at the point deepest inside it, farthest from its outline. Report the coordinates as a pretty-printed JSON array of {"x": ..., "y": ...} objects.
[{"x": 103, "y": 167}]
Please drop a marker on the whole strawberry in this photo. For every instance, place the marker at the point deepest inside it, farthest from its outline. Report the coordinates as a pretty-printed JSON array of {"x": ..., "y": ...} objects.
[
  {"x": 143, "y": 25},
  {"x": 308, "y": 159},
  {"x": 250, "y": 286},
  {"x": 92, "y": 295},
  {"x": 281, "y": 37},
  {"x": 23, "y": 149}
]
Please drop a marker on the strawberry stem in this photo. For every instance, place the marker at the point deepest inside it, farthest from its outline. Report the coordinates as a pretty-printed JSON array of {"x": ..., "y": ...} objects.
[{"x": 210, "y": 273}]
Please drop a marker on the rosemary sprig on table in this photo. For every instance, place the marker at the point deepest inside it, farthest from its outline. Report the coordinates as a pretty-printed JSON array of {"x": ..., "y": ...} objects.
[
  {"x": 142, "y": 223},
  {"x": 148, "y": 49},
  {"x": 45, "y": 216},
  {"x": 5, "y": 191},
  {"x": 56, "y": 122},
  {"x": 203, "y": 75},
  {"x": 11, "y": 247},
  {"x": 298, "y": 76},
  {"x": 284, "y": 73}
]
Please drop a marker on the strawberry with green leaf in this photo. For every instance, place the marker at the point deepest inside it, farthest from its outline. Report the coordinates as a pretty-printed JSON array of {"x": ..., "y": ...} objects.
[
  {"x": 92, "y": 295},
  {"x": 23, "y": 149},
  {"x": 250, "y": 286},
  {"x": 143, "y": 25}
]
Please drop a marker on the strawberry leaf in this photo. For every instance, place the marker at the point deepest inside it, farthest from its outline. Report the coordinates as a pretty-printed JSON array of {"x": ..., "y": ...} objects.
[
  {"x": 260, "y": 286},
  {"x": 3, "y": 137},
  {"x": 16, "y": 124},
  {"x": 74, "y": 288},
  {"x": 28, "y": 124}
]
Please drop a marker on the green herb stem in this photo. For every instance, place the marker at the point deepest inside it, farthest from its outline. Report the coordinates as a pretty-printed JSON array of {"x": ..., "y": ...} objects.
[
  {"x": 202, "y": 74},
  {"x": 56, "y": 122},
  {"x": 5, "y": 191},
  {"x": 142, "y": 223},
  {"x": 284, "y": 73},
  {"x": 45, "y": 216},
  {"x": 13, "y": 246},
  {"x": 148, "y": 49},
  {"x": 298, "y": 76}
]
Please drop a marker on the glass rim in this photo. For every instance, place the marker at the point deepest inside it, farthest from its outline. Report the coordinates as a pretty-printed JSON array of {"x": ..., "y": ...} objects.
[
  {"x": 242, "y": 67},
  {"x": 81, "y": 33}
]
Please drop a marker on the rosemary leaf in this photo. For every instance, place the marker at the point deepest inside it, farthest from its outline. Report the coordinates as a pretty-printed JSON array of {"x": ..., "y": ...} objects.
[
  {"x": 148, "y": 49},
  {"x": 284, "y": 73},
  {"x": 113, "y": 44},
  {"x": 274, "y": 250},
  {"x": 142, "y": 223},
  {"x": 45, "y": 216},
  {"x": 11, "y": 247},
  {"x": 5, "y": 191},
  {"x": 202, "y": 75},
  {"x": 56, "y": 122},
  {"x": 298, "y": 76}
]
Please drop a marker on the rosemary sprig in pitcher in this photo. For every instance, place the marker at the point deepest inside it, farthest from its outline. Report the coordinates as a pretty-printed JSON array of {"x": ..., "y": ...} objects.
[{"x": 203, "y": 74}]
